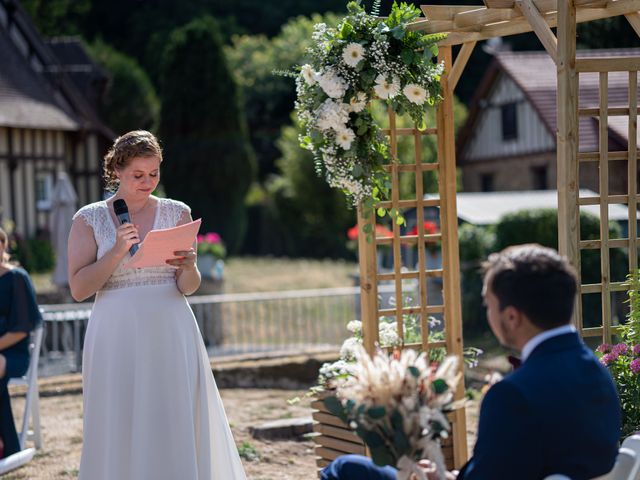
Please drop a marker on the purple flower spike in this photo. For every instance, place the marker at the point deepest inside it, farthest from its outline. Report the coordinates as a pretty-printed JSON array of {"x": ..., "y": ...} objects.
[
  {"x": 636, "y": 350},
  {"x": 604, "y": 348},
  {"x": 635, "y": 366},
  {"x": 609, "y": 358},
  {"x": 620, "y": 349}
]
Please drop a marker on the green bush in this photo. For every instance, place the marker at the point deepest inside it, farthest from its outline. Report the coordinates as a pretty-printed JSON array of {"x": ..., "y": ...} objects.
[
  {"x": 128, "y": 85},
  {"x": 209, "y": 162},
  {"x": 35, "y": 255}
]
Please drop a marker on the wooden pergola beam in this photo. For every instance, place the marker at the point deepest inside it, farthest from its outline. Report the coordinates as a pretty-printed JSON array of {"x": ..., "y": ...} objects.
[
  {"x": 446, "y": 12},
  {"x": 567, "y": 144},
  {"x": 540, "y": 27},
  {"x": 460, "y": 63},
  {"x": 586, "y": 11},
  {"x": 634, "y": 21}
]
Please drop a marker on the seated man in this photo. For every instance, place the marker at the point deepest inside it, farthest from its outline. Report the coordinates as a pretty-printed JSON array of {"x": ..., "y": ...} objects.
[{"x": 559, "y": 412}]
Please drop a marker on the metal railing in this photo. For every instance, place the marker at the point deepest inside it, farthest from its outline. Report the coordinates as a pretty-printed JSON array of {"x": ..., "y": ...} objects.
[{"x": 229, "y": 323}]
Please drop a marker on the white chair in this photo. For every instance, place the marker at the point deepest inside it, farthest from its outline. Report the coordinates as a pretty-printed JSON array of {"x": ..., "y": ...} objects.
[
  {"x": 633, "y": 443},
  {"x": 626, "y": 461},
  {"x": 32, "y": 399}
]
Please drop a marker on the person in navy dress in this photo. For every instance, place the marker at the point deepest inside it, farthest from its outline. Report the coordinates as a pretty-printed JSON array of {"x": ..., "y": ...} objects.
[{"x": 19, "y": 315}]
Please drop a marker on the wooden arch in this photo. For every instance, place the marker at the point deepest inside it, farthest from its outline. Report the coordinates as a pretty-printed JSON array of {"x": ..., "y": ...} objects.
[{"x": 465, "y": 26}]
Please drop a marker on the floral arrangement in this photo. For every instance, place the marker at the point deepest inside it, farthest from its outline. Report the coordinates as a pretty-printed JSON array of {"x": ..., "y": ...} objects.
[
  {"x": 211, "y": 244},
  {"x": 396, "y": 404},
  {"x": 363, "y": 58},
  {"x": 623, "y": 360}
]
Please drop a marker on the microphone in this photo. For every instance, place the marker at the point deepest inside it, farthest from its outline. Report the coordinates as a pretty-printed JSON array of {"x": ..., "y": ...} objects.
[{"x": 122, "y": 212}]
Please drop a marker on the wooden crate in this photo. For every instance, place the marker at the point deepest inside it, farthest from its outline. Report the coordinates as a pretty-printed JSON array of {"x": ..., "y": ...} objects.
[{"x": 336, "y": 438}]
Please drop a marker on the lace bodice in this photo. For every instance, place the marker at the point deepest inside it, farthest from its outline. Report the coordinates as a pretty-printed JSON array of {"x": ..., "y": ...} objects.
[{"x": 97, "y": 216}]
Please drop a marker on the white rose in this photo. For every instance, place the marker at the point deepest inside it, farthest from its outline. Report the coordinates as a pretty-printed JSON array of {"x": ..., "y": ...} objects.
[
  {"x": 331, "y": 115},
  {"x": 332, "y": 84}
]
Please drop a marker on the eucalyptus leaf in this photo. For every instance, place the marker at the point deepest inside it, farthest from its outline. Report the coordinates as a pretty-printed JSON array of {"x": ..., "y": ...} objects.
[
  {"x": 414, "y": 371},
  {"x": 372, "y": 439},
  {"x": 377, "y": 412},
  {"x": 439, "y": 386},
  {"x": 333, "y": 405},
  {"x": 381, "y": 456}
]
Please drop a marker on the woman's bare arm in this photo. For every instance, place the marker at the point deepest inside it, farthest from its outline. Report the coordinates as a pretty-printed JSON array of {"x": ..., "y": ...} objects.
[
  {"x": 188, "y": 276},
  {"x": 86, "y": 275}
]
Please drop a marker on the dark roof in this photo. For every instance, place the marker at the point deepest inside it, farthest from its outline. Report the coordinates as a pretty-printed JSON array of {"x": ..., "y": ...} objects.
[
  {"x": 35, "y": 90},
  {"x": 86, "y": 74},
  {"x": 24, "y": 99},
  {"x": 535, "y": 74}
]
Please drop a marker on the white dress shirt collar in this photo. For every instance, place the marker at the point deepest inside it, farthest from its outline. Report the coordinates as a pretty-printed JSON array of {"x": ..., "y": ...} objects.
[{"x": 541, "y": 337}]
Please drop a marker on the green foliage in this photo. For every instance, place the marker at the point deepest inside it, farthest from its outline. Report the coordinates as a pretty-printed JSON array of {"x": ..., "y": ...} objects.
[
  {"x": 268, "y": 98},
  {"x": 307, "y": 217},
  {"x": 128, "y": 86},
  {"x": 247, "y": 451},
  {"x": 58, "y": 17},
  {"x": 532, "y": 226},
  {"x": 35, "y": 255},
  {"x": 209, "y": 162},
  {"x": 623, "y": 360},
  {"x": 475, "y": 244}
]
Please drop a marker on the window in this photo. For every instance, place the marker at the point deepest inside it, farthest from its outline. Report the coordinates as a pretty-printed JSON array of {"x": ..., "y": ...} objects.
[
  {"x": 539, "y": 177},
  {"x": 509, "y": 121},
  {"x": 486, "y": 182},
  {"x": 44, "y": 189}
]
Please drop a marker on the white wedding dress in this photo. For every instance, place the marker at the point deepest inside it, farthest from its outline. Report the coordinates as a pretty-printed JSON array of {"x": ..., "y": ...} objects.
[{"x": 152, "y": 410}]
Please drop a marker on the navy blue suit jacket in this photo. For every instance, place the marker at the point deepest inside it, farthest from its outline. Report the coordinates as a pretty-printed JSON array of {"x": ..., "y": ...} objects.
[{"x": 558, "y": 413}]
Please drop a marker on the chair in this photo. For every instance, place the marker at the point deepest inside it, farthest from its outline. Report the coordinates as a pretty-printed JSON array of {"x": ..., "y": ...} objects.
[
  {"x": 633, "y": 443},
  {"x": 32, "y": 399},
  {"x": 626, "y": 462},
  {"x": 627, "y": 466}
]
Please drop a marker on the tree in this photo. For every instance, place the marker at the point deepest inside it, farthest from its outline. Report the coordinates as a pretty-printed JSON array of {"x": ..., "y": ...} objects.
[
  {"x": 130, "y": 102},
  {"x": 210, "y": 163},
  {"x": 268, "y": 98}
]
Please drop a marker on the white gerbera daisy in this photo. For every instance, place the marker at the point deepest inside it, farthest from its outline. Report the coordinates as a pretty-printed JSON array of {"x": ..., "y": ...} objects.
[
  {"x": 358, "y": 102},
  {"x": 387, "y": 89},
  {"x": 415, "y": 93},
  {"x": 353, "y": 54},
  {"x": 344, "y": 137},
  {"x": 308, "y": 74}
]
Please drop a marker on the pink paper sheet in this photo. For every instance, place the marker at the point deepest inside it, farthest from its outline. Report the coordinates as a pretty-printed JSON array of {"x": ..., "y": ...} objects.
[{"x": 159, "y": 245}]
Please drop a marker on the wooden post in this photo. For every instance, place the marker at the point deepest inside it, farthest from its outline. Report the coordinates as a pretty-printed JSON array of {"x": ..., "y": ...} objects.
[
  {"x": 450, "y": 251},
  {"x": 567, "y": 143},
  {"x": 368, "y": 282}
]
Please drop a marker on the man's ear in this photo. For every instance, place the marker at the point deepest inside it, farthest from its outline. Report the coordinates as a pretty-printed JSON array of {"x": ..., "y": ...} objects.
[{"x": 513, "y": 318}]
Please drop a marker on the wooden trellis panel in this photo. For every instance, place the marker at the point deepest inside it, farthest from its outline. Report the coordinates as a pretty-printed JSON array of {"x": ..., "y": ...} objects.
[
  {"x": 603, "y": 67},
  {"x": 450, "y": 308}
]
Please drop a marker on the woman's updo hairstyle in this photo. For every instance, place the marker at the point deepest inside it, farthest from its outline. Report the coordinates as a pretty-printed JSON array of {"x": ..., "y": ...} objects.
[
  {"x": 138, "y": 143},
  {"x": 4, "y": 240}
]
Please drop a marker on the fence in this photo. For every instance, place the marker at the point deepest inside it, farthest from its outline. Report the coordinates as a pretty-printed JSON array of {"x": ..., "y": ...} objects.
[{"x": 229, "y": 323}]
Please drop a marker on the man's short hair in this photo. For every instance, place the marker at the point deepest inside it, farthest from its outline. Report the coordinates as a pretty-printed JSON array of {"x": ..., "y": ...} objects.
[{"x": 535, "y": 280}]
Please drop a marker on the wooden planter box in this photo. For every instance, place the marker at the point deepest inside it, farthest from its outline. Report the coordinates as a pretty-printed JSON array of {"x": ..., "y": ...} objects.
[{"x": 336, "y": 438}]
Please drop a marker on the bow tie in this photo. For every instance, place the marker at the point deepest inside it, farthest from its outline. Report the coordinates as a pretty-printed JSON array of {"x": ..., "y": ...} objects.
[{"x": 514, "y": 361}]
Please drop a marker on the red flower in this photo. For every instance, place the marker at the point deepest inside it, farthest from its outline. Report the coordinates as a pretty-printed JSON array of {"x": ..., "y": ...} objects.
[
  {"x": 429, "y": 228},
  {"x": 381, "y": 231}
]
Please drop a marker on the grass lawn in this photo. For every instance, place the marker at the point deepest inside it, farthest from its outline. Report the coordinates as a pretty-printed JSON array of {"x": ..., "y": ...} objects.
[{"x": 263, "y": 274}]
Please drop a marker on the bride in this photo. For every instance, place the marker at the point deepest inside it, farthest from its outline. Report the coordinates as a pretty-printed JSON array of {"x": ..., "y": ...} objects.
[{"x": 151, "y": 406}]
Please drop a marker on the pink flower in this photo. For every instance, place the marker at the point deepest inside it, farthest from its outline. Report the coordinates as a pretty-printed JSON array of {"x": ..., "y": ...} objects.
[
  {"x": 635, "y": 366},
  {"x": 604, "y": 348},
  {"x": 620, "y": 349},
  {"x": 609, "y": 358},
  {"x": 200, "y": 238},
  {"x": 636, "y": 350},
  {"x": 212, "y": 237}
]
